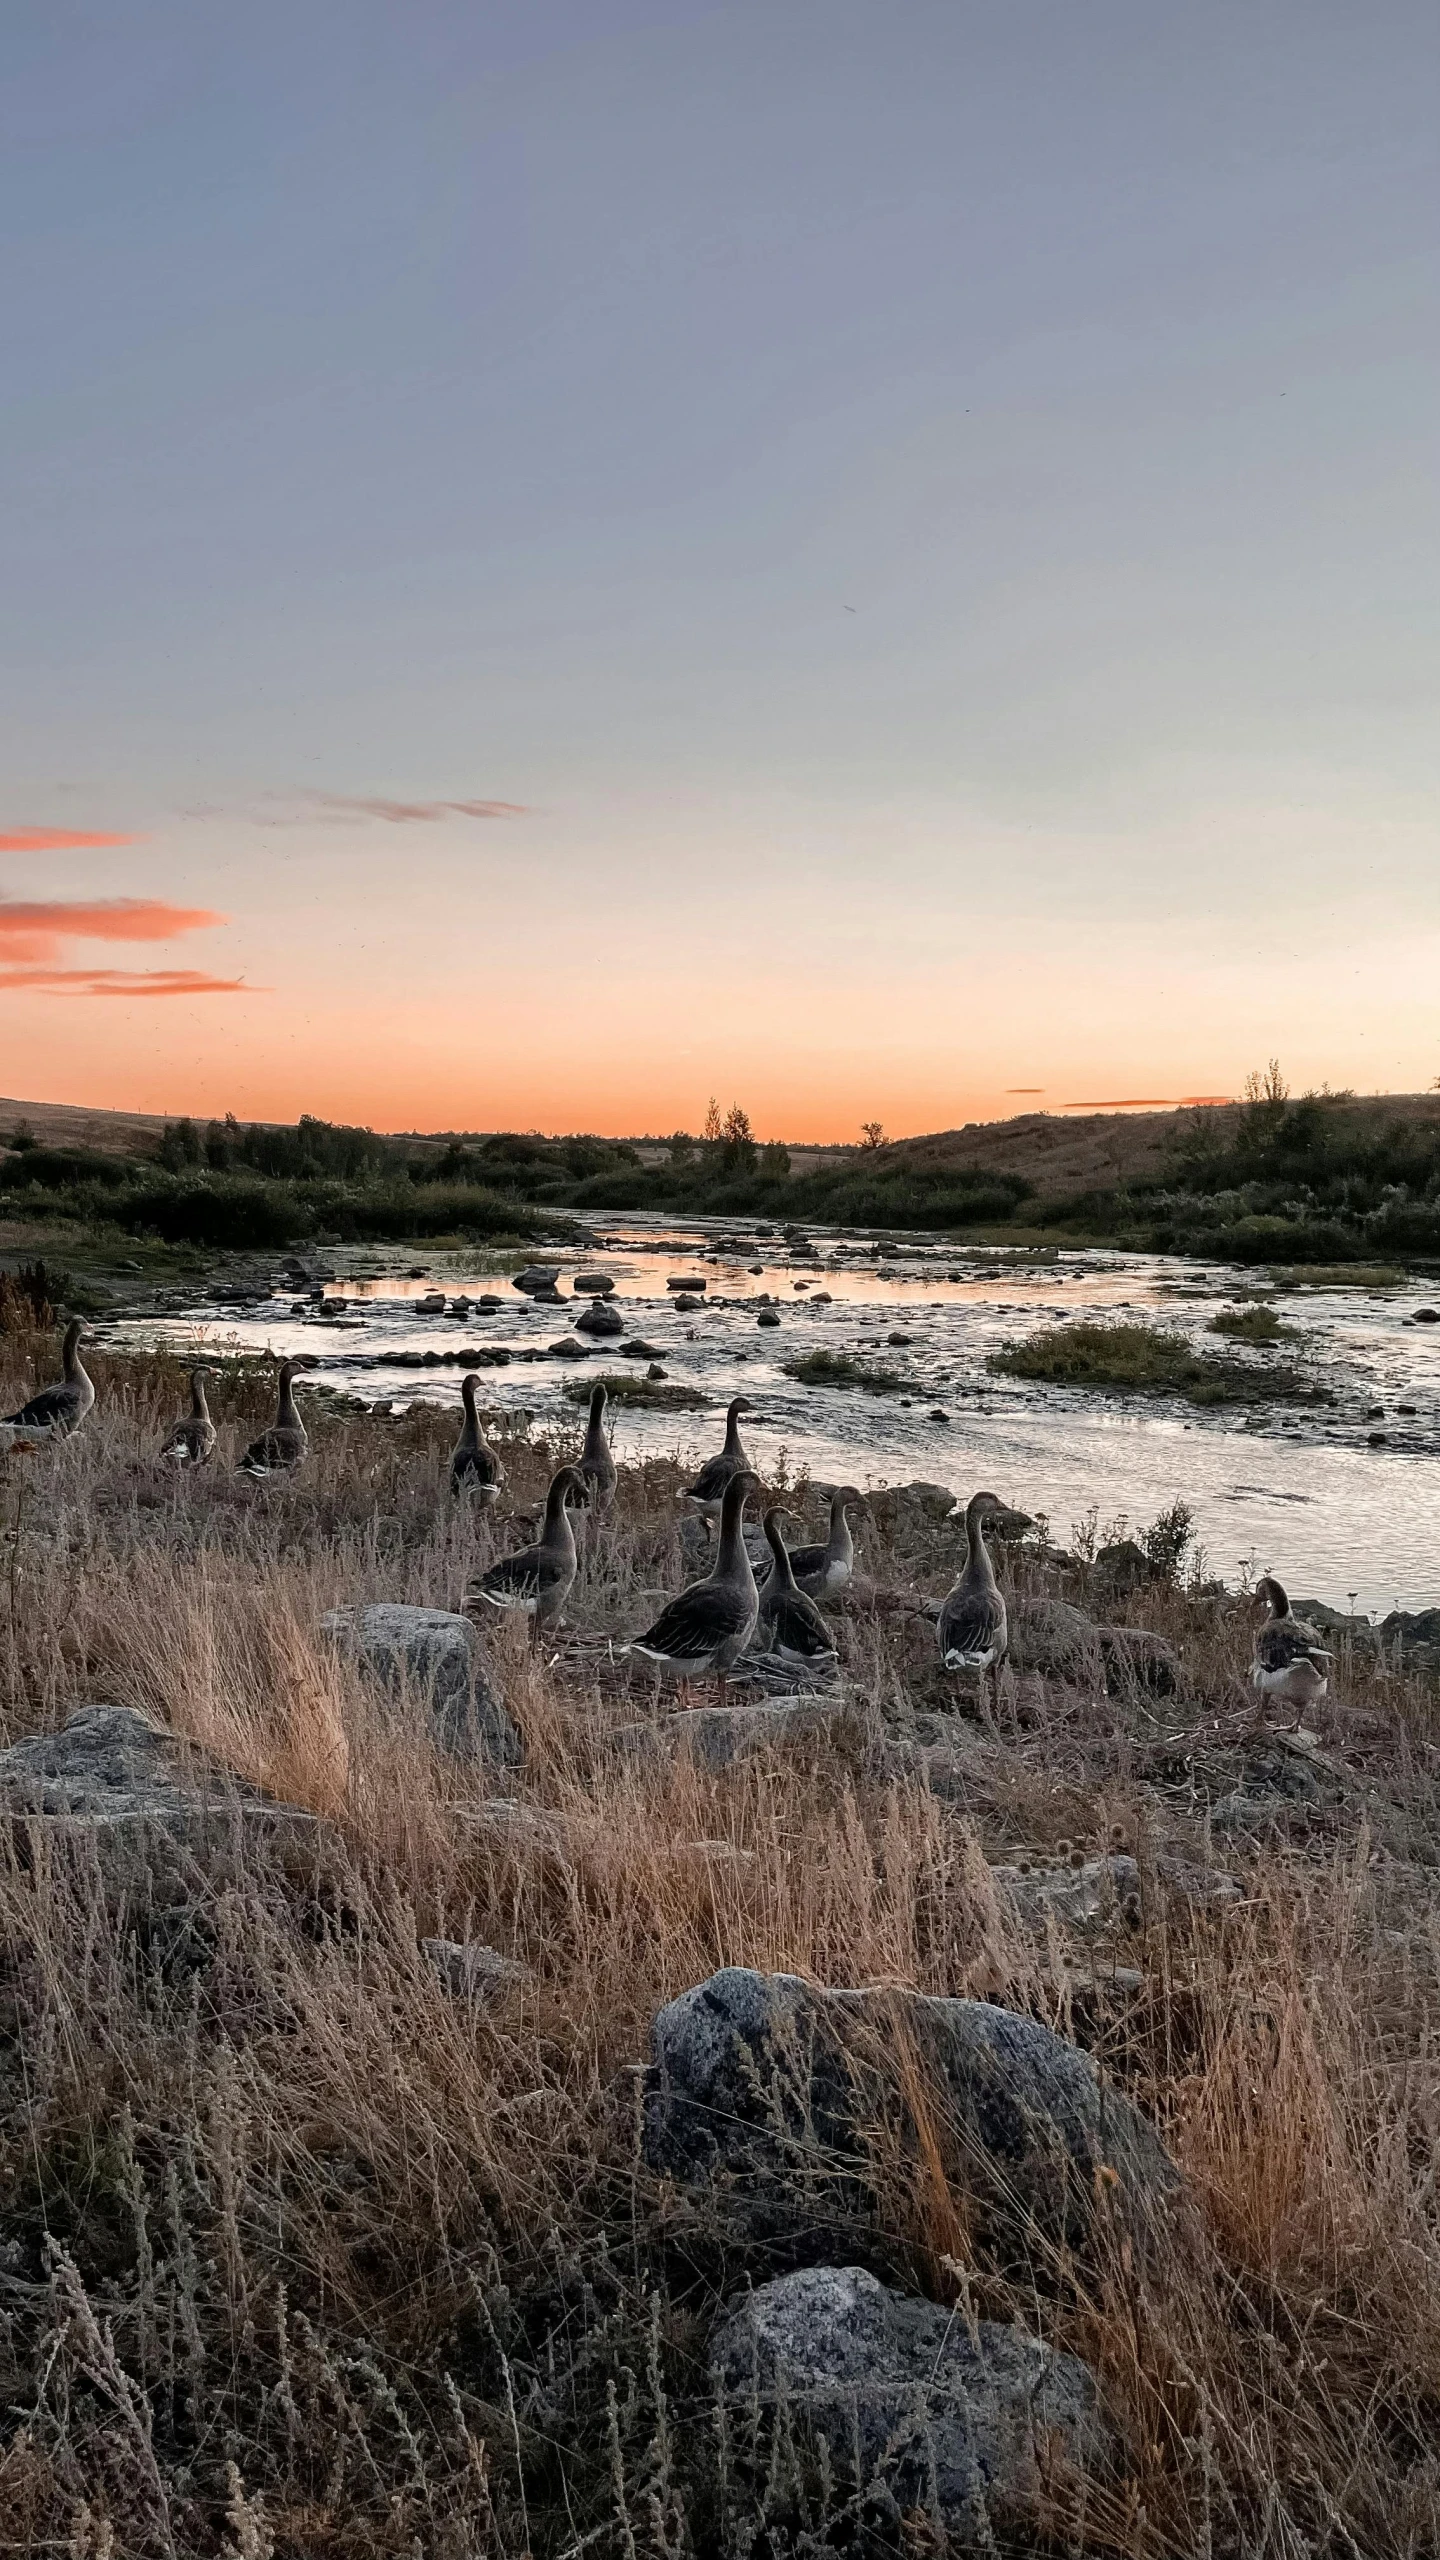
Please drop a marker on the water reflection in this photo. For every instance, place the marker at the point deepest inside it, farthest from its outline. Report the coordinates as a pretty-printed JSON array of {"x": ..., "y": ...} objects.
[{"x": 1301, "y": 1491}]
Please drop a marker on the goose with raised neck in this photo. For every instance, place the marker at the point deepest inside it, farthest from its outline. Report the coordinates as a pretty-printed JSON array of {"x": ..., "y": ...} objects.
[
  {"x": 707, "y": 1493},
  {"x": 597, "y": 1461},
  {"x": 828, "y": 1565},
  {"x": 56, "y": 1411},
  {"x": 711, "y": 1622},
  {"x": 537, "y": 1579},
  {"x": 789, "y": 1622},
  {"x": 973, "y": 1630},
  {"x": 474, "y": 1467},
  {"x": 1291, "y": 1663},
  {"x": 281, "y": 1449},
  {"x": 191, "y": 1441}
]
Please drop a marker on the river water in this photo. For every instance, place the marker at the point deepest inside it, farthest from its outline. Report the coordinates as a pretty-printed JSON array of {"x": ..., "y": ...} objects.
[{"x": 1300, "y": 1491}]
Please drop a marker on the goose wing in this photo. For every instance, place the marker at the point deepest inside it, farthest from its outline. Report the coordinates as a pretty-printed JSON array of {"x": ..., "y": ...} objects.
[
  {"x": 191, "y": 1441},
  {"x": 53, "y": 1404},
  {"x": 793, "y": 1624},
  {"x": 519, "y": 1581},
  {"x": 710, "y": 1483},
  {"x": 972, "y": 1630},
  {"x": 694, "y": 1627},
  {"x": 275, "y": 1450},
  {"x": 808, "y": 1564},
  {"x": 1286, "y": 1641},
  {"x": 477, "y": 1467}
]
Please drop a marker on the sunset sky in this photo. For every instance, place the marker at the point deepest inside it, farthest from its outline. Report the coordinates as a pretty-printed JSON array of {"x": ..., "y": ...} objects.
[{"x": 562, "y": 556}]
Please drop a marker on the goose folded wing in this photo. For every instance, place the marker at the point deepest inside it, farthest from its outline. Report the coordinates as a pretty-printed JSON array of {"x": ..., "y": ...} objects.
[
  {"x": 710, "y": 1483},
  {"x": 706, "y": 1616},
  {"x": 51, "y": 1405},
  {"x": 972, "y": 1626},
  {"x": 794, "y": 1625},
  {"x": 1278, "y": 1646},
  {"x": 514, "y": 1579}
]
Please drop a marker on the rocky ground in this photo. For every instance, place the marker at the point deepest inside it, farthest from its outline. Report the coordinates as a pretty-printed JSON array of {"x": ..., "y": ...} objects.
[{"x": 458, "y": 2100}]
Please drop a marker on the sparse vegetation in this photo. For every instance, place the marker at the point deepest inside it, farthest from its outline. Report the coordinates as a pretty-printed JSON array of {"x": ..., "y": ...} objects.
[
  {"x": 662, "y": 1395},
  {"x": 1253, "y": 1324},
  {"x": 1142, "y": 1359},
  {"x": 841, "y": 1369},
  {"x": 309, "y": 2253}
]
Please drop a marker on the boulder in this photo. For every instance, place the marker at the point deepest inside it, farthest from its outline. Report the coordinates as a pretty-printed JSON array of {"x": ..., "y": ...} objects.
[
  {"x": 535, "y": 1276},
  {"x": 593, "y": 1284},
  {"x": 1052, "y": 1637},
  {"x": 908, "y": 2406},
  {"x": 433, "y": 1658},
  {"x": 761, "y": 2083},
  {"x": 639, "y": 1349},
  {"x": 600, "y": 1319},
  {"x": 469, "y": 1970},
  {"x": 114, "y": 1779},
  {"x": 768, "y": 1316}
]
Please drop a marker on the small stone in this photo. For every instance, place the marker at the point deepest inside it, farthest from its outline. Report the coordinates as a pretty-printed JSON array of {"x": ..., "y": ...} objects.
[
  {"x": 470, "y": 1971},
  {"x": 768, "y": 1316},
  {"x": 434, "y": 1657}
]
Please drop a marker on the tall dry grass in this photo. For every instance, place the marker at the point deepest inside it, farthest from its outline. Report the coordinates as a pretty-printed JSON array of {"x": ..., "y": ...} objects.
[{"x": 305, "y": 2254}]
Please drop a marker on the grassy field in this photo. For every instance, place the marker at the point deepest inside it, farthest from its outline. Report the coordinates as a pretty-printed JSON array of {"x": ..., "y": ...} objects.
[{"x": 304, "y": 2255}]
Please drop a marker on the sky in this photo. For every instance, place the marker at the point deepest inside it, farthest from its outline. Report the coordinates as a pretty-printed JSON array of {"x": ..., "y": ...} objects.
[{"x": 558, "y": 557}]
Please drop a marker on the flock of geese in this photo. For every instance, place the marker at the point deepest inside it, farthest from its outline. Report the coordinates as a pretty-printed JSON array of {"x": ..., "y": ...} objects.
[{"x": 710, "y": 1626}]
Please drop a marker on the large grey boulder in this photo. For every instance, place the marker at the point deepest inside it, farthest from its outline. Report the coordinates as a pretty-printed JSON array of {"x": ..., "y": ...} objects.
[
  {"x": 765, "y": 2087},
  {"x": 1098, "y": 1891},
  {"x": 114, "y": 1781},
  {"x": 600, "y": 1319},
  {"x": 431, "y": 1658},
  {"x": 906, "y": 2405}
]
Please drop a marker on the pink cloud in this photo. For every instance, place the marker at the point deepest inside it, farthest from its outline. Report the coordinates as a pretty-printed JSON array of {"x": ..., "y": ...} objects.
[
  {"x": 405, "y": 813},
  {"x": 56, "y": 839},
  {"x": 34, "y": 928},
  {"x": 123, "y": 982}
]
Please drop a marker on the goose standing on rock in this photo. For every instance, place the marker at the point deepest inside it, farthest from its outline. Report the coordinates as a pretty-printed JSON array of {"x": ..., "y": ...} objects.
[
  {"x": 281, "y": 1449},
  {"x": 973, "y": 1630},
  {"x": 537, "y": 1579},
  {"x": 1290, "y": 1661},
  {"x": 191, "y": 1442},
  {"x": 710, "y": 1624},
  {"x": 474, "y": 1467},
  {"x": 707, "y": 1493},
  {"x": 56, "y": 1411},
  {"x": 789, "y": 1622},
  {"x": 827, "y": 1567},
  {"x": 597, "y": 1463}
]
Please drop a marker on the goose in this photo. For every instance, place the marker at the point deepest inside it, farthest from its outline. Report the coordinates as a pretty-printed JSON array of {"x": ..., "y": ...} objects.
[
  {"x": 828, "y": 1567},
  {"x": 191, "y": 1441},
  {"x": 789, "y": 1622},
  {"x": 707, "y": 1493},
  {"x": 709, "y": 1625},
  {"x": 536, "y": 1579},
  {"x": 474, "y": 1467},
  {"x": 597, "y": 1464},
  {"x": 56, "y": 1411},
  {"x": 972, "y": 1629},
  {"x": 1290, "y": 1661},
  {"x": 281, "y": 1449}
]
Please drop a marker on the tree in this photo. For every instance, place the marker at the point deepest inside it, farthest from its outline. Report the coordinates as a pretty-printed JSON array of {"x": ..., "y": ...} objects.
[
  {"x": 738, "y": 1152},
  {"x": 872, "y": 1136},
  {"x": 712, "y": 1134},
  {"x": 682, "y": 1148},
  {"x": 1268, "y": 1091},
  {"x": 775, "y": 1160}
]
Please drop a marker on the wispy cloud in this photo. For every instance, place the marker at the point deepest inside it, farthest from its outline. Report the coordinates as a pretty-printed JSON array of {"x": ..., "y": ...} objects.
[
  {"x": 56, "y": 839},
  {"x": 1149, "y": 1102},
  {"x": 36, "y": 928},
  {"x": 411, "y": 813},
  {"x": 123, "y": 982}
]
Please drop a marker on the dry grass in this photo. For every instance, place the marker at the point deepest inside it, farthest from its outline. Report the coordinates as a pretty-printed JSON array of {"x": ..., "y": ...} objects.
[{"x": 305, "y": 2255}]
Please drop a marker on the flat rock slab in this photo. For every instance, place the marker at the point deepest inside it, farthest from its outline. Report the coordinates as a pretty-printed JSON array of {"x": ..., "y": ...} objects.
[
  {"x": 432, "y": 1658},
  {"x": 113, "y": 1777},
  {"x": 1101, "y": 1890},
  {"x": 714, "y": 1736},
  {"x": 760, "y": 2084},
  {"x": 910, "y": 2406}
]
